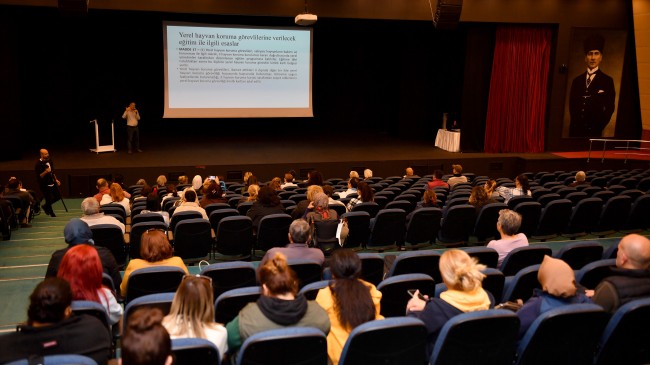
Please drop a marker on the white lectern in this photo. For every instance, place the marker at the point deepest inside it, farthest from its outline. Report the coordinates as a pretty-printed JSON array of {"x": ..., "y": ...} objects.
[{"x": 104, "y": 148}]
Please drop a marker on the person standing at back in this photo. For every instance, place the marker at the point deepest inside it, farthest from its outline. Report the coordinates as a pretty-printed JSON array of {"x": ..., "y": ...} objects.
[
  {"x": 47, "y": 181},
  {"x": 132, "y": 117}
]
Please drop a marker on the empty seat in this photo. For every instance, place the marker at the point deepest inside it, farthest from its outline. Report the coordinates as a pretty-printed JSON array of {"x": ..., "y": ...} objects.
[
  {"x": 422, "y": 229},
  {"x": 553, "y": 220},
  {"x": 613, "y": 216},
  {"x": 531, "y": 212},
  {"x": 522, "y": 257},
  {"x": 395, "y": 295},
  {"x": 594, "y": 272},
  {"x": 230, "y": 275},
  {"x": 423, "y": 262},
  {"x": 234, "y": 237},
  {"x": 387, "y": 230},
  {"x": 229, "y": 303},
  {"x": 578, "y": 254},
  {"x": 456, "y": 226},
  {"x": 293, "y": 345},
  {"x": 584, "y": 217},
  {"x": 626, "y": 336},
  {"x": 485, "y": 226}
]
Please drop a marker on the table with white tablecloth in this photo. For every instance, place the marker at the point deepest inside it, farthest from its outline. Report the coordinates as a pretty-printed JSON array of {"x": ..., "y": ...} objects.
[{"x": 448, "y": 140}]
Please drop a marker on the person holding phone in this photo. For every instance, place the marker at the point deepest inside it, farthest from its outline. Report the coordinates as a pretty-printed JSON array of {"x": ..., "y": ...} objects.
[
  {"x": 132, "y": 117},
  {"x": 463, "y": 277}
]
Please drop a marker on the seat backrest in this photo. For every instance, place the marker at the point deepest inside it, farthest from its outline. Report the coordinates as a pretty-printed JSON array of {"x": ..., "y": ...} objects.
[
  {"x": 113, "y": 208},
  {"x": 522, "y": 257},
  {"x": 189, "y": 351},
  {"x": 244, "y": 207},
  {"x": 400, "y": 340},
  {"x": 152, "y": 280},
  {"x": 639, "y": 217},
  {"x": 512, "y": 203},
  {"x": 308, "y": 271},
  {"x": 177, "y": 217},
  {"x": 578, "y": 254},
  {"x": 215, "y": 206},
  {"x": 521, "y": 285},
  {"x": 457, "y": 224},
  {"x": 604, "y": 195},
  {"x": 230, "y": 275},
  {"x": 135, "y": 236},
  {"x": 162, "y": 301},
  {"x": 486, "y": 222},
  {"x": 193, "y": 239},
  {"x": 626, "y": 336},
  {"x": 294, "y": 345},
  {"x": 485, "y": 255},
  {"x": 530, "y": 212},
  {"x": 468, "y": 338},
  {"x": 564, "y": 335},
  {"x": 111, "y": 237},
  {"x": 228, "y": 304},
  {"x": 338, "y": 208},
  {"x": 554, "y": 219},
  {"x": 423, "y": 262},
  {"x": 324, "y": 236},
  {"x": 273, "y": 231},
  {"x": 147, "y": 217},
  {"x": 594, "y": 272},
  {"x": 423, "y": 226},
  {"x": 359, "y": 229},
  {"x": 91, "y": 308},
  {"x": 310, "y": 291},
  {"x": 388, "y": 230},
  {"x": 370, "y": 207},
  {"x": 615, "y": 213},
  {"x": 395, "y": 292},
  {"x": 576, "y": 197},
  {"x": 234, "y": 236},
  {"x": 372, "y": 267}
]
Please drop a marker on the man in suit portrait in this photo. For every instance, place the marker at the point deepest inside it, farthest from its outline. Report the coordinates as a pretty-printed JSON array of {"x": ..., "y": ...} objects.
[{"x": 592, "y": 97}]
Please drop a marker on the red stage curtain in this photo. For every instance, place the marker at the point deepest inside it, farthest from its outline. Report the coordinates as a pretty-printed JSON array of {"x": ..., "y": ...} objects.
[{"x": 517, "y": 101}]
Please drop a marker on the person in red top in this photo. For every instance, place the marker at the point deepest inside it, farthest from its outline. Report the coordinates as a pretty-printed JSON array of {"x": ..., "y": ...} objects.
[{"x": 437, "y": 180}]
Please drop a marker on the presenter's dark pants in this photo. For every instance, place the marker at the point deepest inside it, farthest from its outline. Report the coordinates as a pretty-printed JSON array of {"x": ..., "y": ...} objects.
[
  {"x": 51, "y": 195},
  {"x": 133, "y": 138}
]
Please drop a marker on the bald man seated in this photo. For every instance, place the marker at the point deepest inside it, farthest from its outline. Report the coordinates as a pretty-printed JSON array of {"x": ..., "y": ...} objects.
[{"x": 630, "y": 279}]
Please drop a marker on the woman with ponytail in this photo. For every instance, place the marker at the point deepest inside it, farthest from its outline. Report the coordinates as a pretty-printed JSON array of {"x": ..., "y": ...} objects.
[
  {"x": 348, "y": 300},
  {"x": 279, "y": 306},
  {"x": 463, "y": 277}
]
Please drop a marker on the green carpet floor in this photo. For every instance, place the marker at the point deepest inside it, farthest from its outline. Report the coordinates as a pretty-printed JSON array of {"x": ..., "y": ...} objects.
[{"x": 24, "y": 259}]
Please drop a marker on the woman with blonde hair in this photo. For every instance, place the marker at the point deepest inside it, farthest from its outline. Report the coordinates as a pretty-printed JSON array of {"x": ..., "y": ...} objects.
[
  {"x": 192, "y": 313},
  {"x": 303, "y": 207},
  {"x": 279, "y": 306},
  {"x": 489, "y": 187},
  {"x": 116, "y": 195},
  {"x": 463, "y": 277}
]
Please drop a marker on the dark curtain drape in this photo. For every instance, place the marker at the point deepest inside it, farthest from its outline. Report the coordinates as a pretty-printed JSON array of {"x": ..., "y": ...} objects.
[{"x": 518, "y": 89}]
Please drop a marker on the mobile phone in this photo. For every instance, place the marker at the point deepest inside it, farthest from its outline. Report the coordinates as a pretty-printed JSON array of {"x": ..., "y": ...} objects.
[
  {"x": 212, "y": 177},
  {"x": 412, "y": 293}
]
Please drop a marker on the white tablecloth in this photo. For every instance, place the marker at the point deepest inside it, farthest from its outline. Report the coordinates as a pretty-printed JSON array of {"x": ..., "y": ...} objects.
[{"x": 448, "y": 140}]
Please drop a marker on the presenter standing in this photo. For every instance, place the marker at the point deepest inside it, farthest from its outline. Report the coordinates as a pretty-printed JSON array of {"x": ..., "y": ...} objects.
[
  {"x": 47, "y": 182},
  {"x": 133, "y": 135}
]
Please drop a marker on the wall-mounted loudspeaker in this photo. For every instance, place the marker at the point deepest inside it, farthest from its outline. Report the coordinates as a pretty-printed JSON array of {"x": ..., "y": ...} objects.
[
  {"x": 447, "y": 14},
  {"x": 73, "y": 7}
]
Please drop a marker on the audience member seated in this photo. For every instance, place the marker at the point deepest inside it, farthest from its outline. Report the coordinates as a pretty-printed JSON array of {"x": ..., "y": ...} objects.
[
  {"x": 102, "y": 188},
  {"x": 348, "y": 300},
  {"x": 192, "y": 313},
  {"x": 429, "y": 200},
  {"x": 521, "y": 188},
  {"x": 14, "y": 189},
  {"x": 558, "y": 289},
  {"x": 161, "y": 182},
  {"x": 298, "y": 248},
  {"x": 279, "y": 306},
  {"x": 319, "y": 209},
  {"x": 581, "y": 179},
  {"x": 197, "y": 184},
  {"x": 144, "y": 193},
  {"x": 77, "y": 232},
  {"x": 409, "y": 174},
  {"x": 155, "y": 250},
  {"x": 252, "y": 190},
  {"x": 183, "y": 180},
  {"x": 145, "y": 340},
  {"x": 436, "y": 180},
  {"x": 508, "y": 224},
  {"x": 288, "y": 181},
  {"x": 189, "y": 202},
  {"x": 630, "y": 279},
  {"x": 154, "y": 206},
  {"x": 172, "y": 192},
  {"x": 479, "y": 197},
  {"x": 52, "y": 328},
  {"x": 365, "y": 195},
  {"x": 457, "y": 171},
  {"x": 463, "y": 277},
  {"x": 268, "y": 202},
  {"x": 276, "y": 184},
  {"x": 354, "y": 174},
  {"x": 367, "y": 174},
  {"x": 352, "y": 187},
  {"x": 490, "y": 187},
  {"x": 249, "y": 181},
  {"x": 315, "y": 178},
  {"x": 213, "y": 195},
  {"x": 92, "y": 216},
  {"x": 329, "y": 191},
  {"x": 116, "y": 196},
  {"x": 119, "y": 179},
  {"x": 302, "y": 208},
  {"x": 82, "y": 268}
]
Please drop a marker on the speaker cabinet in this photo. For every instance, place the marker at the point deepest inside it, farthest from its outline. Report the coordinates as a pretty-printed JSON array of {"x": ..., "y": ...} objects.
[
  {"x": 73, "y": 7},
  {"x": 447, "y": 14}
]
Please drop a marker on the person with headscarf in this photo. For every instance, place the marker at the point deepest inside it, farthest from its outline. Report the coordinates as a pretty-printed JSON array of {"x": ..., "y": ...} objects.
[
  {"x": 77, "y": 232},
  {"x": 558, "y": 289}
]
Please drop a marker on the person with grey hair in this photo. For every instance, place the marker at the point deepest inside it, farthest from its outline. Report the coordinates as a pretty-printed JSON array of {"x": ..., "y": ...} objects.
[
  {"x": 508, "y": 224},
  {"x": 321, "y": 210},
  {"x": 92, "y": 216},
  {"x": 367, "y": 174},
  {"x": 299, "y": 235},
  {"x": 581, "y": 179}
]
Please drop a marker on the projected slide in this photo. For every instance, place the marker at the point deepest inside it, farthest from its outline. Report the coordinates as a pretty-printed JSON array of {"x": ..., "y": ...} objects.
[{"x": 236, "y": 72}]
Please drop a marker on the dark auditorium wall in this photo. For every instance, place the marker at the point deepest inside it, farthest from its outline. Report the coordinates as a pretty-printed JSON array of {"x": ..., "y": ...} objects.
[{"x": 379, "y": 66}]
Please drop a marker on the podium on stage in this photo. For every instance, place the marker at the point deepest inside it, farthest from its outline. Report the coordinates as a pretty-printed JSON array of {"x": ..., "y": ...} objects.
[{"x": 104, "y": 148}]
